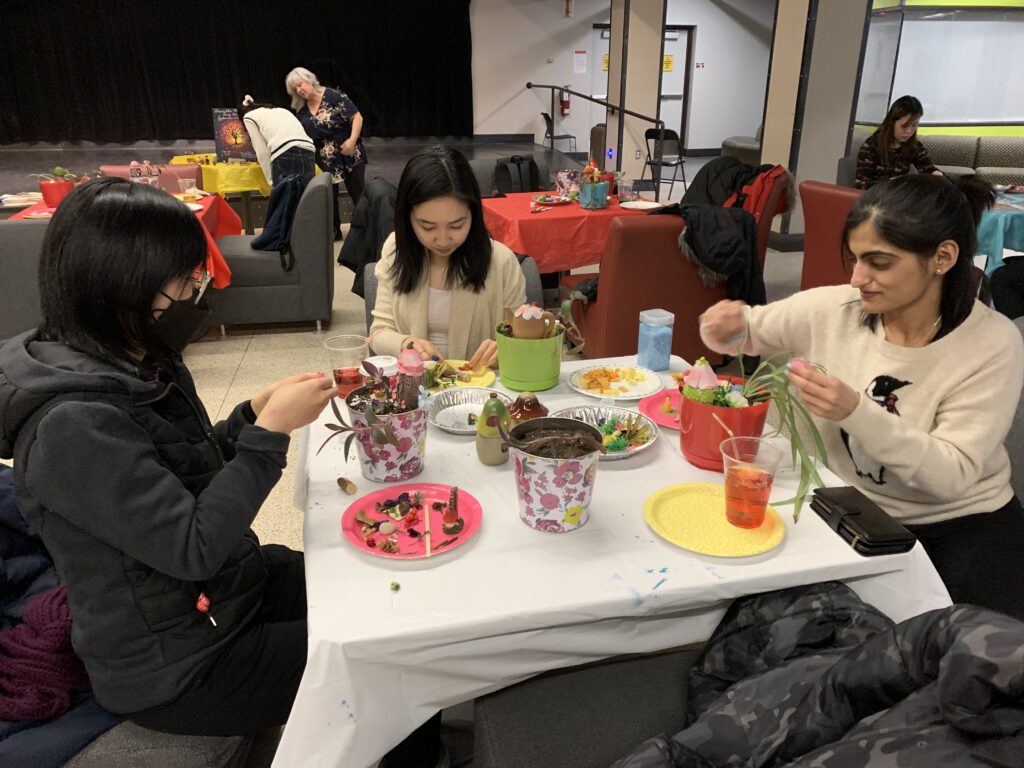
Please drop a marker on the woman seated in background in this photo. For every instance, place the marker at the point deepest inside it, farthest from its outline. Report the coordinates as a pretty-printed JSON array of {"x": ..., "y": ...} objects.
[
  {"x": 442, "y": 283},
  {"x": 893, "y": 149},
  {"x": 184, "y": 622},
  {"x": 281, "y": 144},
  {"x": 921, "y": 380}
]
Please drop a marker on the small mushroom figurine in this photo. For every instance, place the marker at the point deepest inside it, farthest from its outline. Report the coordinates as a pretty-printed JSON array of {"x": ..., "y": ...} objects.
[
  {"x": 526, "y": 407},
  {"x": 531, "y": 322}
]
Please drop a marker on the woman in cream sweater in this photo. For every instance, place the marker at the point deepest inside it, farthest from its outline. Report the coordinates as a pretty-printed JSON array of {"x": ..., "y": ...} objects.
[
  {"x": 442, "y": 283},
  {"x": 921, "y": 380}
]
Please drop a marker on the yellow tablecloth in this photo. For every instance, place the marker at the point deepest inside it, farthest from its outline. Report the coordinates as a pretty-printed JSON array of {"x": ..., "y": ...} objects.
[{"x": 227, "y": 178}]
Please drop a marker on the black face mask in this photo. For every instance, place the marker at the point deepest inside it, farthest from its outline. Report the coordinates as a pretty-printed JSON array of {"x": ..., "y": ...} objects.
[{"x": 184, "y": 321}]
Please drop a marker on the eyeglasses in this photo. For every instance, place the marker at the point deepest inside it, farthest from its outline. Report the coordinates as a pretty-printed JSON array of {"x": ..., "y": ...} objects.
[{"x": 201, "y": 280}]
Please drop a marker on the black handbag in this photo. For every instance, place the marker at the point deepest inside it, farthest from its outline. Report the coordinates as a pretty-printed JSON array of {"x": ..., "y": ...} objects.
[{"x": 861, "y": 523}]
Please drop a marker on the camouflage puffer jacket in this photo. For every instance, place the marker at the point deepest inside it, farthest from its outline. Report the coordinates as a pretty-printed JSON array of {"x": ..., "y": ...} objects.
[{"x": 812, "y": 676}]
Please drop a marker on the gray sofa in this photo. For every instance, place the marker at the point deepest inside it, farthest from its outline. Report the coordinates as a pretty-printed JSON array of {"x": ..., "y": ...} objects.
[
  {"x": 20, "y": 242},
  {"x": 996, "y": 159},
  {"x": 262, "y": 291}
]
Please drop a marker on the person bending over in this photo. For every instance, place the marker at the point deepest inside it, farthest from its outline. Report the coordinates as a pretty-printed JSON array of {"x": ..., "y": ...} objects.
[{"x": 281, "y": 144}]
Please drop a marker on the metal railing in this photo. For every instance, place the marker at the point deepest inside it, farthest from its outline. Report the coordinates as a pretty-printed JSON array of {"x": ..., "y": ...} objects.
[{"x": 659, "y": 124}]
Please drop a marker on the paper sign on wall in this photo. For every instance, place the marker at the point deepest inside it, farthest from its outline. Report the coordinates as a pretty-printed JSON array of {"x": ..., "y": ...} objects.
[
  {"x": 666, "y": 62},
  {"x": 579, "y": 62},
  {"x": 604, "y": 63}
]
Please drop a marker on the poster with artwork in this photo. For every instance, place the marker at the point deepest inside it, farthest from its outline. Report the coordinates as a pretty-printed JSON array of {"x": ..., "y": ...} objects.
[{"x": 230, "y": 136}]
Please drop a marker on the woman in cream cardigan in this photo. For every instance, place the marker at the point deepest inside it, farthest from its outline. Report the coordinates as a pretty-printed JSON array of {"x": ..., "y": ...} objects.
[{"x": 442, "y": 283}]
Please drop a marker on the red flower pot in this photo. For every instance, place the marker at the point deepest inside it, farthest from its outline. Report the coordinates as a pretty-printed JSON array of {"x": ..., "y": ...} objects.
[
  {"x": 55, "y": 190},
  {"x": 700, "y": 434}
]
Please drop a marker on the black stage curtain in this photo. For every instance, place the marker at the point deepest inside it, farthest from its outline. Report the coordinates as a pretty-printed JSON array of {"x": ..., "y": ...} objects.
[{"x": 124, "y": 70}]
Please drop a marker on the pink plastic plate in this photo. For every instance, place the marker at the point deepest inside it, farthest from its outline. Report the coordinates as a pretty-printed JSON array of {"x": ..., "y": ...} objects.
[
  {"x": 651, "y": 408},
  {"x": 409, "y": 546}
]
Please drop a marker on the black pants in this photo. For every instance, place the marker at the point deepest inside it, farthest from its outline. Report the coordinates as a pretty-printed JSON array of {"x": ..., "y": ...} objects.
[
  {"x": 294, "y": 160},
  {"x": 253, "y": 683},
  {"x": 354, "y": 184},
  {"x": 977, "y": 557}
]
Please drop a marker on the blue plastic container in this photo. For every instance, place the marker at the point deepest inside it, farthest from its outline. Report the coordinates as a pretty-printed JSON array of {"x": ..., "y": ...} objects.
[{"x": 654, "y": 346}]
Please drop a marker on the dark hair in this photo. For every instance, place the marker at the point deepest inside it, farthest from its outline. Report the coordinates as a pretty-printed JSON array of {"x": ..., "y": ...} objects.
[
  {"x": 244, "y": 109},
  {"x": 433, "y": 173},
  {"x": 110, "y": 248},
  {"x": 917, "y": 213},
  {"x": 903, "y": 106}
]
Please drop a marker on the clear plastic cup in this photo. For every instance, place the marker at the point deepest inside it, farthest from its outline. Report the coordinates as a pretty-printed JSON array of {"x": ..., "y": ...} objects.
[
  {"x": 749, "y": 464},
  {"x": 345, "y": 356}
]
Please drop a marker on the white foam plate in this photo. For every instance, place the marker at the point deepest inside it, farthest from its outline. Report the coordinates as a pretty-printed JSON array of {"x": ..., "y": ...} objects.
[{"x": 640, "y": 205}]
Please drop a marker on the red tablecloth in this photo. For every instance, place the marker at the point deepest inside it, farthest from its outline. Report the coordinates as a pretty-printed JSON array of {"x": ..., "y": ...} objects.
[
  {"x": 218, "y": 219},
  {"x": 561, "y": 239}
]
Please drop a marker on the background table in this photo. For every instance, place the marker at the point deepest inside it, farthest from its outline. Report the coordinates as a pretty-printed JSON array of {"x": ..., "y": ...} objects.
[
  {"x": 217, "y": 218},
  {"x": 561, "y": 239},
  {"x": 230, "y": 178},
  {"x": 513, "y": 602},
  {"x": 1002, "y": 227}
]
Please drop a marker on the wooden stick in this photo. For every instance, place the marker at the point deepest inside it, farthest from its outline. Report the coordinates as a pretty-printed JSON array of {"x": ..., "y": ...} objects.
[
  {"x": 722, "y": 423},
  {"x": 426, "y": 525}
]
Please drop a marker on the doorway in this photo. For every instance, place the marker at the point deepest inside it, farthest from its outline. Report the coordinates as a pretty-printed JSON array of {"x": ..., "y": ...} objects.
[{"x": 673, "y": 104}]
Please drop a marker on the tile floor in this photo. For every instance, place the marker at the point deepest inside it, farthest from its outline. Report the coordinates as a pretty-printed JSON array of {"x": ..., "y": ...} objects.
[{"x": 229, "y": 370}]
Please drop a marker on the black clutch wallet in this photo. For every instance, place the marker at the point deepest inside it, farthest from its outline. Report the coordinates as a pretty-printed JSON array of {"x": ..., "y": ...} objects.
[{"x": 860, "y": 522}]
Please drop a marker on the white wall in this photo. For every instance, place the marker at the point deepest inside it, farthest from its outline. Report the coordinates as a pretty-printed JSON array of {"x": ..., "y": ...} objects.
[
  {"x": 733, "y": 41},
  {"x": 514, "y": 39}
]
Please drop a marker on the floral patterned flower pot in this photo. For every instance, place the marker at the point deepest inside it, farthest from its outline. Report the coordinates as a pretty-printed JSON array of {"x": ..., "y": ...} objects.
[
  {"x": 700, "y": 434},
  {"x": 554, "y": 494},
  {"x": 386, "y": 463},
  {"x": 594, "y": 196}
]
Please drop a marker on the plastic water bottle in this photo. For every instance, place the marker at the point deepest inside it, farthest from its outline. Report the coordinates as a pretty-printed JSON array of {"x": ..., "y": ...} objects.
[{"x": 654, "y": 346}]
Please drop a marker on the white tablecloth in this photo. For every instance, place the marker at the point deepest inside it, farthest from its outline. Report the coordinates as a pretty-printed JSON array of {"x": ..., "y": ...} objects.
[{"x": 513, "y": 602}]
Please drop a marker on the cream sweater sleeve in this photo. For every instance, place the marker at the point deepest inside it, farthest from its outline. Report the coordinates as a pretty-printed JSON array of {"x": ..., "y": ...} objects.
[{"x": 384, "y": 335}]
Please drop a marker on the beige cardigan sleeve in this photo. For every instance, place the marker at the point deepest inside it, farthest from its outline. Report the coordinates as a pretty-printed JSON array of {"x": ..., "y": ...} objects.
[{"x": 473, "y": 316}]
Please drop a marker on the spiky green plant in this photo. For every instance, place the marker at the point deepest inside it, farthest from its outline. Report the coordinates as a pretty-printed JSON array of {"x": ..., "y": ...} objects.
[{"x": 770, "y": 382}]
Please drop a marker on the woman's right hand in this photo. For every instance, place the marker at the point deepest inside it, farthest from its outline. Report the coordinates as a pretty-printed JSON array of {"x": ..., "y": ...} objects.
[
  {"x": 723, "y": 327},
  {"x": 295, "y": 404},
  {"x": 427, "y": 350}
]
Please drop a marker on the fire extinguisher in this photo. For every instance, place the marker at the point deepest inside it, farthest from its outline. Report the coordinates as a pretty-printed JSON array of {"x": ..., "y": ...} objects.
[{"x": 563, "y": 103}]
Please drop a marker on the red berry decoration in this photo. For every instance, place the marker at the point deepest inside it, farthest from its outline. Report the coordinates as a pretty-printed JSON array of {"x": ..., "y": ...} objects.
[{"x": 203, "y": 603}]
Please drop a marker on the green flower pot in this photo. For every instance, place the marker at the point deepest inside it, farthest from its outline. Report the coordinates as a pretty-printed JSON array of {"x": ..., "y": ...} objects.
[{"x": 530, "y": 365}]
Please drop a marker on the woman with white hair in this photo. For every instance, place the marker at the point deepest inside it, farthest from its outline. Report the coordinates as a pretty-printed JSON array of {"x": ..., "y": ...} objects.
[{"x": 334, "y": 124}]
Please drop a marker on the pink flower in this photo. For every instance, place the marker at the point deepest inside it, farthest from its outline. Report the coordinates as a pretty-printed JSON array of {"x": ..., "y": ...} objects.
[
  {"x": 701, "y": 376},
  {"x": 404, "y": 444},
  {"x": 549, "y": 501},
  {"x": 568, "y": 473}
]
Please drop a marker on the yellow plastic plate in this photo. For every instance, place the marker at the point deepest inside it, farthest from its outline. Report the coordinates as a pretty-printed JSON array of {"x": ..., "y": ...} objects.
[{"x": 692, "y": 516}]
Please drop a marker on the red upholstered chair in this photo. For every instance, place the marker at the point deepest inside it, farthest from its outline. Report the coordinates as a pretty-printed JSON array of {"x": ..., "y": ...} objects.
[
  {"x": 642, "y": 268},
  {"x": 168, "y": 174},
  {"x": 773, "y": 206},
  {"x": 825, "y": 209}
]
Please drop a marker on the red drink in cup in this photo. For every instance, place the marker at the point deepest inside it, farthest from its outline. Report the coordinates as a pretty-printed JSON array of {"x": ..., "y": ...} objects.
[
  {"x": 347, "y": 379},
  {"x": 345, "y": 355},
  {"x": 749, "y": 464},
  {"x": 746, "y": 496}
]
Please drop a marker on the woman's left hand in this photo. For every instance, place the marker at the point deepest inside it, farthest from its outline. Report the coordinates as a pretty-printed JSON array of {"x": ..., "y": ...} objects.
[
  {"x": 348, "y": 148},
  {"x": 486, "y": 355},
  {"x": 824, "y": 395}
]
